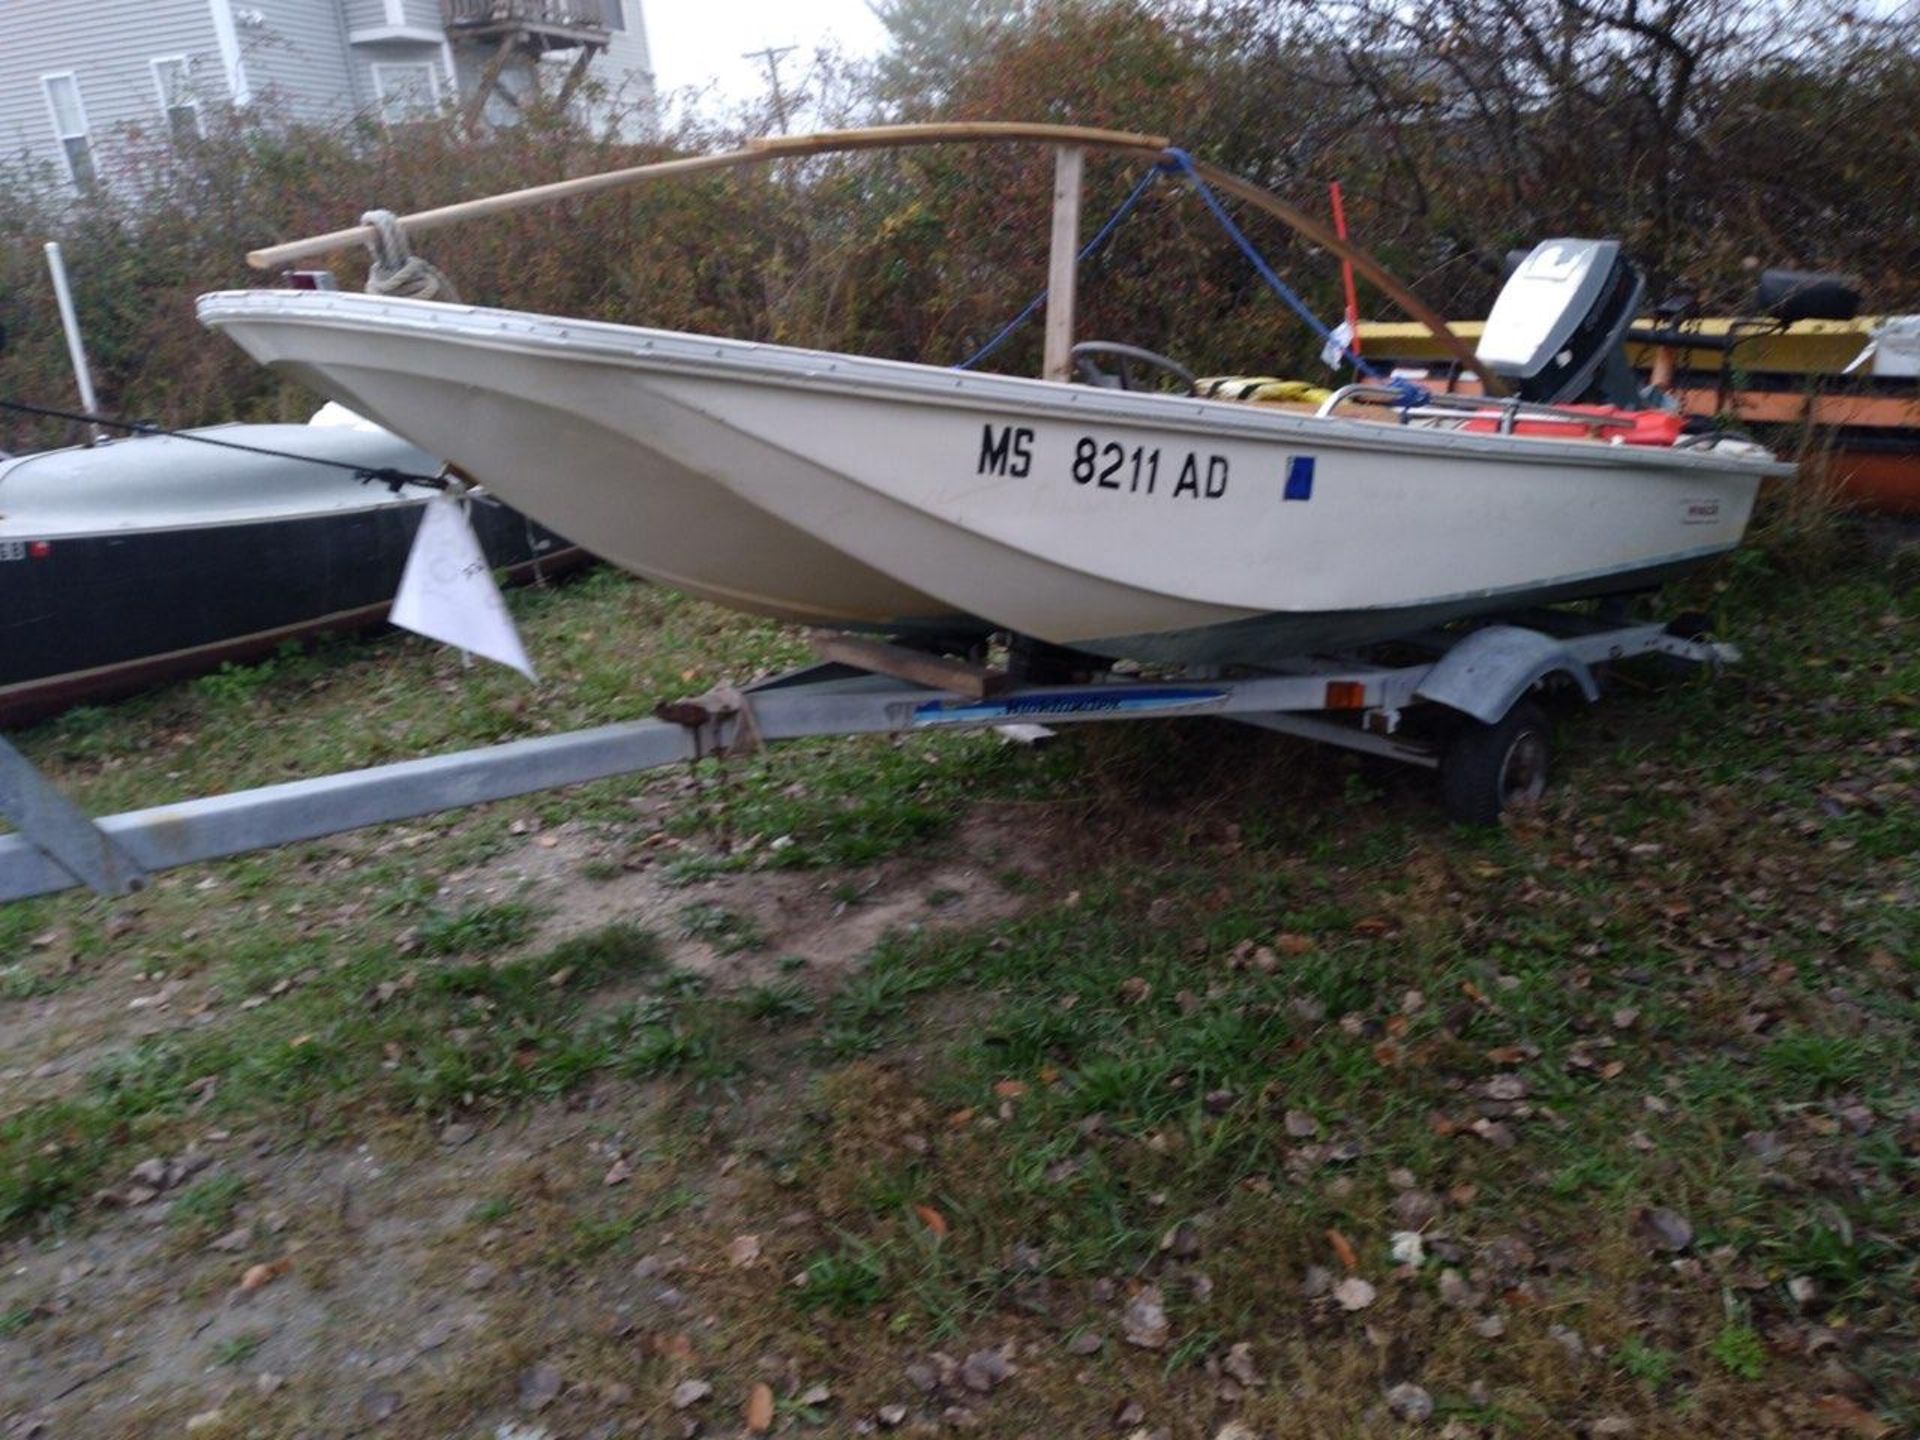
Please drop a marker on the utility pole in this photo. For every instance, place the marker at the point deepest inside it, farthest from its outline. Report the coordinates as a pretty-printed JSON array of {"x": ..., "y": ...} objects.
[{"x": 771, "y": 57}]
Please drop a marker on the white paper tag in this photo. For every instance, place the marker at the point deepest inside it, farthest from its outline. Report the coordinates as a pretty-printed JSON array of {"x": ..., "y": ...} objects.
[
  {"x": 448, "y": 594},
  {"x": 1334, "y": 352}
]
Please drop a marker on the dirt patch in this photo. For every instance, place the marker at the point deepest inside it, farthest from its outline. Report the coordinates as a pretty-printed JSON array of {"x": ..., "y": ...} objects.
[
  {"x": 415, "y": 1275},
  {"x": 828, "y": 918},
  {"x": 51, "y": 1041}
]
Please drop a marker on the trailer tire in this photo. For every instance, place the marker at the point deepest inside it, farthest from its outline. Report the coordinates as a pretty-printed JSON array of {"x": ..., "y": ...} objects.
[{"x": 1488, "y": 768}]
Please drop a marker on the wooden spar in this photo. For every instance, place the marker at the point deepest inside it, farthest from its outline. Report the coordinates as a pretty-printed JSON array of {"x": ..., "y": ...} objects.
[
  {"x": 1063, "y": 256},
  {"x": 974, "y": 132},
  {"x": 758, "y": 152},
  {"x": 958, "y": 132},
  {"x": 275, "y": 256}
]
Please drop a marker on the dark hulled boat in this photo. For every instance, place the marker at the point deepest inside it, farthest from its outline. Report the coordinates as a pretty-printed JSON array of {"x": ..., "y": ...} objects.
[{"x": 142, "y": 560}]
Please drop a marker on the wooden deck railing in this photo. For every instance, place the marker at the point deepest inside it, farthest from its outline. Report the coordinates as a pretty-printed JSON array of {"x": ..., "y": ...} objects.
[{"x": 559, "y": 14}]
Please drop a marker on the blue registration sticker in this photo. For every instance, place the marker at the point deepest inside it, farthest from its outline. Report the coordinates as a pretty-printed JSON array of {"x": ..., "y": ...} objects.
[
  {"x": 1096, "y": 700},
  {"x": 1299, "y": 478}
]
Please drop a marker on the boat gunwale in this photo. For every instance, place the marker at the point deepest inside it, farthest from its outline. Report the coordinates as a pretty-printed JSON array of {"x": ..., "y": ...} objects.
[
  {"x": 36, "y": 505},
  {"x": 678, "y": 352}
]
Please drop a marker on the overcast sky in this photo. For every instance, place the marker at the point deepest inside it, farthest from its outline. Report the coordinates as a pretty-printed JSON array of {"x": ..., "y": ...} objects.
[{"x": 700, "y": 42}]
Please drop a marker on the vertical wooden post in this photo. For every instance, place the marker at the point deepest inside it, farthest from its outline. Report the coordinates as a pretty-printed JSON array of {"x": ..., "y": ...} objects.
[{"x": 1069, "y": 164}]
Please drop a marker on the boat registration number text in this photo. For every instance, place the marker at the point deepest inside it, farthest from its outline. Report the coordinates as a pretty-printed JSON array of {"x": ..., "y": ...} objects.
[
  {"x": 13, "y": 549},
  {"x": 1109, "y": 465}
]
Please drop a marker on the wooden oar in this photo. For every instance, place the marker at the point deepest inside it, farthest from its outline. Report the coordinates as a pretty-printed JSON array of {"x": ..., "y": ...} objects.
[{"x": 887, "y": 137}]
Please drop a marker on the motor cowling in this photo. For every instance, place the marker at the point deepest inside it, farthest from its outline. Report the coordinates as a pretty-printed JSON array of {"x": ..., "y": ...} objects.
[{"x": 1556, "y": 331}]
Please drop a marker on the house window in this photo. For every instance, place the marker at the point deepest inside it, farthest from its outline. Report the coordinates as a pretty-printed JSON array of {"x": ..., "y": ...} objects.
[
  {"x": 69, "y": 113},
  {"x": 179, "y": 103},
  {"x": 407, "y": 92},
  {"x": 616, "y": 12}
]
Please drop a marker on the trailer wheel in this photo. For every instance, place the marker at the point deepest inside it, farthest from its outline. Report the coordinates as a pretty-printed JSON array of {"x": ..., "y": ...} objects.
[{"x": 1487, "y": 768}]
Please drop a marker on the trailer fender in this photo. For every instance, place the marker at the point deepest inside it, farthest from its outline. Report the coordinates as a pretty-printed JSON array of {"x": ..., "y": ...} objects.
[{"x": 1486, "y": 673}]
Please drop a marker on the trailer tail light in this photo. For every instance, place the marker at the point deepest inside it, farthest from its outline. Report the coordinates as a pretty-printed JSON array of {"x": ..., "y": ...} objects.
[
  {"x": 39, "y": 550},
  {"x": 1346, "y": 695}
]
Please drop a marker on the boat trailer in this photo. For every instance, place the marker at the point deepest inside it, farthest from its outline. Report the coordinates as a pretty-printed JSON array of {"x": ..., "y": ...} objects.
[{"x": 1489, "y": 747}]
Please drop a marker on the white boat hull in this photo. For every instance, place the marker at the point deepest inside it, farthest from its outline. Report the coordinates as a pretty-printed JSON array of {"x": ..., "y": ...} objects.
[
  {"x": 567, "y": 443},
  {"x": 836, "y": 489}
]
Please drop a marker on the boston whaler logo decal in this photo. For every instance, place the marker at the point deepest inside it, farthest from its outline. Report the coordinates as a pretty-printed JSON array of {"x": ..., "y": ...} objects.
[{"x": 1699, "y": 512}]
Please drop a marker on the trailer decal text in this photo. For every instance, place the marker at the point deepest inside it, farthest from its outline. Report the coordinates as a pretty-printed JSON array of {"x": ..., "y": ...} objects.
[{"x": 1091, "y": 700}]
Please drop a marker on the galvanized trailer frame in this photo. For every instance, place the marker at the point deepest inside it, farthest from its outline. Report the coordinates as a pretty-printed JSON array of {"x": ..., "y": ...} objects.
[{"x": 1339, "y": 699}]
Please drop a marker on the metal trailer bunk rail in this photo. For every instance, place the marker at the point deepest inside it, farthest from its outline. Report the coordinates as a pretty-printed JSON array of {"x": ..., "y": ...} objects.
[{"x": 1491, "y": 751}]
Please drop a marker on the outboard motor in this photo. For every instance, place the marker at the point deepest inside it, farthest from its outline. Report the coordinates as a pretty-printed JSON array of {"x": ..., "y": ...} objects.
[{"x": 1556, "y": 331}]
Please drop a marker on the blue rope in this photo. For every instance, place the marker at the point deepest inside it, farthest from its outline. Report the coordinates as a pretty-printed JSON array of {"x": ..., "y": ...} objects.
[
  {"x": 1179, "y": 160},
  {"x": 1087, "y": 252}
]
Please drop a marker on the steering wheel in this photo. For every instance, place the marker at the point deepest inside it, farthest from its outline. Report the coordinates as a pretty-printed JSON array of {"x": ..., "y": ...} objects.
[{"x": 1131, "y": 368}]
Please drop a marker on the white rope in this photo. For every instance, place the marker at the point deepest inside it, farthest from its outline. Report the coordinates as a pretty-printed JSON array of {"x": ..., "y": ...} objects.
[{"x": 396, "y": 270}]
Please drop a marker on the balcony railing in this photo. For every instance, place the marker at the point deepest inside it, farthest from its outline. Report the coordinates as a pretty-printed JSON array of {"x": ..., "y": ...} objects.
[{"x": 574, "y": 17}]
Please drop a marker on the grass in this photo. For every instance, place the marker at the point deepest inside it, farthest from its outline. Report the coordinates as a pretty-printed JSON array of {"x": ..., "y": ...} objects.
[
  {"x": 777, "y": 1002},
  {"x": 1739, "y": 1350},
  {"x": 845, "y": 1280},
  {"x": 15, "y": 1321},
  {"x": 1546, "y": 1032},
  {"x": 236, "y": 1350},
  {"x": 207, "y": 1206},
  {"x": 480, "y": 930},
  {"x": 1647, "y": 1363},
  {"x": 726, "y": 931},
  {"x": 469, "y": 1033}
]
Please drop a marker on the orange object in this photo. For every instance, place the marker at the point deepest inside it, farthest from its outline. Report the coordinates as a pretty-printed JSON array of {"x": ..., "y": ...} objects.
[
  {"x": 1650, "y": 427},
  {"x": 1343, "y": 1248},
  {"x": 1346, "y": 269},
  {"x": 1346, "y": 695},
  {"x": 1886, "y": 481},
  {"x": 932, "y": 1219},
  {"x": 760, "y": 1409}
]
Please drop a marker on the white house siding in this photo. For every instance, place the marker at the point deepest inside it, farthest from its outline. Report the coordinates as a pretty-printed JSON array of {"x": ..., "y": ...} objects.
[
  {"x": 296, "y": 58},
  {"x": 111, "y": 62},
  {"x": 363, "y": 14},
  {"x": 627, "y": 67}
]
